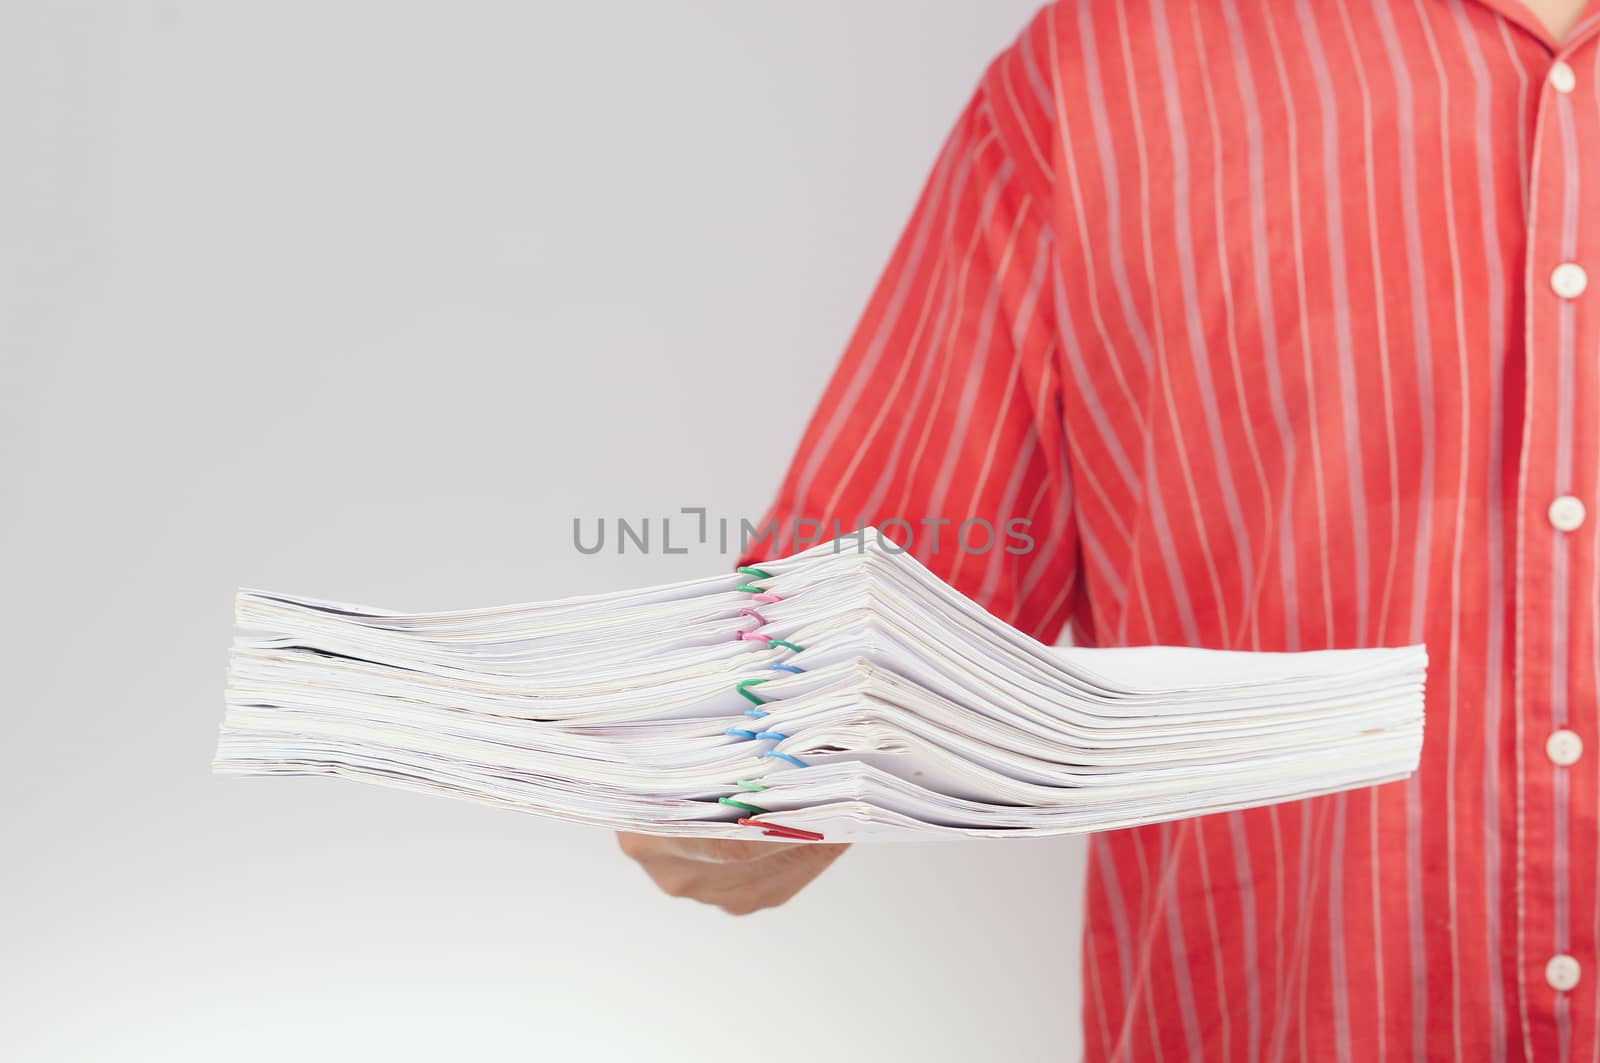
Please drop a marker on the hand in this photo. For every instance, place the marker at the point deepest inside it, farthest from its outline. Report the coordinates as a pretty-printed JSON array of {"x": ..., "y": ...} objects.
[{"x": 737, "y": 876}]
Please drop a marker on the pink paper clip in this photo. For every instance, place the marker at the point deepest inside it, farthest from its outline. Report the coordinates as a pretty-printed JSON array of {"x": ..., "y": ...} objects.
[{"x": 767, "y": 598}]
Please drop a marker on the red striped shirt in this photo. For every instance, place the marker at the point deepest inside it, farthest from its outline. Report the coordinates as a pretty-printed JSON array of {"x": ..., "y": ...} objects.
[{"x": 1254, "y": 310}]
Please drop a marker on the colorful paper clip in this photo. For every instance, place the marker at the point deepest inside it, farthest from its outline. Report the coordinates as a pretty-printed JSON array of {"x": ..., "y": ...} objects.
[
  {"x": 772, "y": 830},
  {"x": 778, "y": 830}
]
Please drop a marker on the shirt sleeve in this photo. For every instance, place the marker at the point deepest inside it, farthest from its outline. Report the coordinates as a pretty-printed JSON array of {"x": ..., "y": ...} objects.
[{"x": 943, "y": 417}]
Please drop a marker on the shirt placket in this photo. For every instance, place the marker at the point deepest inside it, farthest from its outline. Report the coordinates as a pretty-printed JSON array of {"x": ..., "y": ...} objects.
[{"x": 1556, "y": 741}]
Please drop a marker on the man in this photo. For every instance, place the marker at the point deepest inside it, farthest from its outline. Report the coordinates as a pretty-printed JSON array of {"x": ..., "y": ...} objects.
[{"x": 1276, "y": 321}]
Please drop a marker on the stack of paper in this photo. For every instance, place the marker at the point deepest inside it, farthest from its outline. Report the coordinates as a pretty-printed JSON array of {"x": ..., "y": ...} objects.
[{"x": 843, "y": 692}]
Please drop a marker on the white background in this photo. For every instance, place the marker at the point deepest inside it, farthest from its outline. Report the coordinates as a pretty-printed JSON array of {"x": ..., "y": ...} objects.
[{"x": 368, "y": 301}]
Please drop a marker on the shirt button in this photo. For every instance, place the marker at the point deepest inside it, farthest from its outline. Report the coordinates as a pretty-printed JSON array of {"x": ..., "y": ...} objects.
[
  {"x": 1569, "y": 280},
  {"x": 1562, "y": 972},
  {"x": 1562, "y": 79},
  {"x": 1564, "y": 748},
  {"x": 1566, "y": 514}
]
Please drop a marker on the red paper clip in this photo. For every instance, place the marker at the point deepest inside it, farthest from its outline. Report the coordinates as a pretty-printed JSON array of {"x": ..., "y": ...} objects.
[{"x": 778, "y": 830}]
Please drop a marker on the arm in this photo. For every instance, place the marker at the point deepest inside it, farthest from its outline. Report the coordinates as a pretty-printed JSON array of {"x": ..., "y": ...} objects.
[{"x": 945, "y": 405}]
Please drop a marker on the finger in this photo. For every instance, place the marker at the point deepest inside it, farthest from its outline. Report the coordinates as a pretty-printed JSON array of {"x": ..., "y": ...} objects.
[
  {"x": 729, "y": 850},
  {"x": 740, "y": 887},
  {"x": 768, "y": 883}
]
